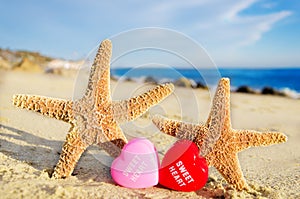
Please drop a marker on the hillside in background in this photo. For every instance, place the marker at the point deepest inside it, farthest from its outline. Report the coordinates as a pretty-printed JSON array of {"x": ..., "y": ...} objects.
[{"x": 34, "y": 62}]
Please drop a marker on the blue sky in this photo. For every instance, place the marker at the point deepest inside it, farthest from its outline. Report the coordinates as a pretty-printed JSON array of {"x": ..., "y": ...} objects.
[{"x": 252, "y": 33}]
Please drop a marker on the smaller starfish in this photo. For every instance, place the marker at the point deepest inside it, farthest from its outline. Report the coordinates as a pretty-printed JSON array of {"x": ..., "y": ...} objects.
[
  {"x": 223, "y": 155},
  {"x": 95, "y": 117}
]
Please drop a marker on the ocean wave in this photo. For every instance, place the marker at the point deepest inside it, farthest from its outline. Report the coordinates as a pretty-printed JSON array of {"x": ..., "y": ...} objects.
[
  {"x": 189, "y": 82},
  {"x": 290, "y": 93}
]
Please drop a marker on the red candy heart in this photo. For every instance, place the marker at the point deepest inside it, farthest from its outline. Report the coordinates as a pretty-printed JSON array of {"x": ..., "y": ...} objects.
[{"x": 182, "y": 168}]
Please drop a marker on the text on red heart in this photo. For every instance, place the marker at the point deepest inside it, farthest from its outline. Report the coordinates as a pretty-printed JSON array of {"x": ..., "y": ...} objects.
[{"x": 180, "y": 174}]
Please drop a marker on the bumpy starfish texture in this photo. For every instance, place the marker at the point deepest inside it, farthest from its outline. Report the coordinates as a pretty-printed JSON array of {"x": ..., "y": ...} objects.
[
  {"x": 95, "y": 117},
  {"x": 223, "y": 155}
]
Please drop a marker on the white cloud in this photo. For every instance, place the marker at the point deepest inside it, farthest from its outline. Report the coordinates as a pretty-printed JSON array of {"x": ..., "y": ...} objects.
[
  {"x": 215, "y": 19},
  {"x": 223, "y": 27},
  {"x": 220, "y": 25},
  {"x": 269, "y": 5},
  {"x": 256, "y": 26},
  {"x": 236, "y": 8}
]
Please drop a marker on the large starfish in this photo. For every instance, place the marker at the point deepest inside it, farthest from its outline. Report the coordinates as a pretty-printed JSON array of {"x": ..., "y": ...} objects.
[
  {"x": 94, "y": 118},
  {"x": 223, "y": 155}
]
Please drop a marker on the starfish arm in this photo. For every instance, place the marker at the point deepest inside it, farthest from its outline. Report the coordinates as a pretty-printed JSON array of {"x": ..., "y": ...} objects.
[
  {"x": 222, "y": 100},
  {"x": 167, "y": 126},
  {"x": 217, "y": 116},
  {"x": 250, "y": 138},
  {"x": 110, "y": 132},
  {"x": 55, "y": 108},
  {"x": 228, "y": 166},
  {"x": 114, "y": 141},
  {"x": 180, "y": 129},
  {"x": 128, "y": 110},
  {"x": 99, "y": 80},
  {"x": 71, "y": 152}
]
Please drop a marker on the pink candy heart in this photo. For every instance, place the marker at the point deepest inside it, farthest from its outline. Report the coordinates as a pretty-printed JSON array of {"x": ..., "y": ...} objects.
[{"x": 137, "y": 166}]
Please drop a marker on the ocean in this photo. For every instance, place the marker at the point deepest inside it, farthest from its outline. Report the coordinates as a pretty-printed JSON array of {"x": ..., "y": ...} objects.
[{"x": 285, "y": 80}]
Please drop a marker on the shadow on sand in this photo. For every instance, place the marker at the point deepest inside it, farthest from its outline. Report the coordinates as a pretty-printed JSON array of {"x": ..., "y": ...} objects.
[{"x": 43, "y": 154}]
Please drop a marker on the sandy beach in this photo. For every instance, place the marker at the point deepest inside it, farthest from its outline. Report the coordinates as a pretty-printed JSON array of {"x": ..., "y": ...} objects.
[{"x": 30, "y": 143}]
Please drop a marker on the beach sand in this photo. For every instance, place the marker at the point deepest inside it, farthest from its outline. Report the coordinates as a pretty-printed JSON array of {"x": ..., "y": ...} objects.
[{"x": 30, "y": 143}]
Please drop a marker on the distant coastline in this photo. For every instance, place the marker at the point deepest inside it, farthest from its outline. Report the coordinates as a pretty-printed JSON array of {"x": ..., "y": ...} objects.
[{"x": 272, "y": 81}]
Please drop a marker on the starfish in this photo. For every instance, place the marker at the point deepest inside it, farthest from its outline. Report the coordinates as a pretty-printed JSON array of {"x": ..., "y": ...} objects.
[
  {"x": 94, "y": 118},
  {"x": 220, "y": 148}
]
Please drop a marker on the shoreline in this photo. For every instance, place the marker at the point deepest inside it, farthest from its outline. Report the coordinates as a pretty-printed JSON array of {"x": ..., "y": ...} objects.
[
  {"x": 34, "y": 62},
  {"x": 190, "y": 83}
]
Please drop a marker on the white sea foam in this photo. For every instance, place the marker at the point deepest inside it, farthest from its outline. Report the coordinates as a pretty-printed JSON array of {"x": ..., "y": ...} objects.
[{"x": 290, "y": 93}]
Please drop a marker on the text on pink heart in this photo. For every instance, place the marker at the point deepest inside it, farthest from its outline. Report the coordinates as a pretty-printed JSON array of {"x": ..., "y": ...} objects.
[{"x": 135, "y": 166}]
